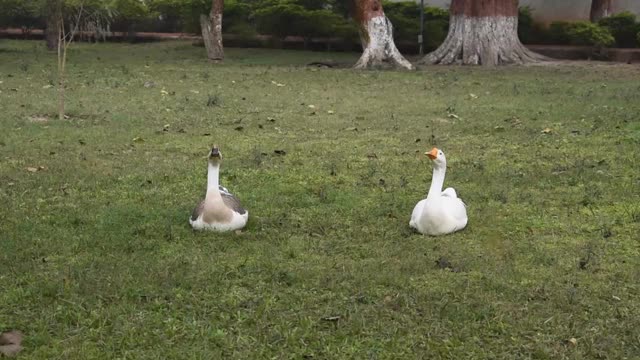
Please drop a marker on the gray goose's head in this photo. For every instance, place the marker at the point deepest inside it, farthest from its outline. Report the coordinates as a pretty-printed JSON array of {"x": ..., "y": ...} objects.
[{"x": 215, "y": 156}]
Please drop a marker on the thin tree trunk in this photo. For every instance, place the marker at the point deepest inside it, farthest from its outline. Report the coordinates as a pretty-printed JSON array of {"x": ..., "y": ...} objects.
[
  {"x": 376, "y": 35},
  {"x": 482, "y": 32},
  {"x": 212, "y": 31},
  {"x": 600, "y": 9},
  {"x": 62, "y": 59}
]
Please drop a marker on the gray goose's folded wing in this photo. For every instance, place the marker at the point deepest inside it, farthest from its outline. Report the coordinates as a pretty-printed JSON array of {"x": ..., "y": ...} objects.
[
  {"x": 197, "y": 211},
  {"x": 232, "y": 202}
]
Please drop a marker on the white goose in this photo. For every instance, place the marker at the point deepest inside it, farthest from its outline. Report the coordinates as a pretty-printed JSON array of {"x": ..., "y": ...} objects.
[
  {"x": 220, "y": 210},
  {"x": 442, "y": 212}
]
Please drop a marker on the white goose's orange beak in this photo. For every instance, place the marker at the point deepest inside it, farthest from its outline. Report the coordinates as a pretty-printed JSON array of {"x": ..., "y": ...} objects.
[{"x": 433, "y": 154}]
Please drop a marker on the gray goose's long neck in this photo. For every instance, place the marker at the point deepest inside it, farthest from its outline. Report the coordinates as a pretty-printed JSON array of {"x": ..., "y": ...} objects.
[{"x": 213, "y": 180}]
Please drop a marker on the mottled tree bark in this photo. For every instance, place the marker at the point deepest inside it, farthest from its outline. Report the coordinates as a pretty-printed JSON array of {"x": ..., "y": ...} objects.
[
  {"x": 376, "y": 35},
  {"x": 212, "y": 31},
  {"x": 482, "y": 32},
  {"x": 600, "y": 9}
]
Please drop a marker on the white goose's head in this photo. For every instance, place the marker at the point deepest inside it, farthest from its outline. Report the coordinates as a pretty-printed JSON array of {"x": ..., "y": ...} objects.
[
  {"x": 437, "y": 156},
  {"x": 215, "y": 156}
]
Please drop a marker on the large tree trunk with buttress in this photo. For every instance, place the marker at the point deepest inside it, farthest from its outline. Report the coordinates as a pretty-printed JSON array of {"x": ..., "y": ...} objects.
[
  {"x": 600, "y": 9},
  {"x": 376, "y": 34},
  {"x": 482, "y": 32},
  {"x": 212, "y": 31}
]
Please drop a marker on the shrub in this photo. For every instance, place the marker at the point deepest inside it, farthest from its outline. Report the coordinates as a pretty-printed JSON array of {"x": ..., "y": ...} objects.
[
  {"x": 558, "y": 32},
  {"x": 130, "y": 10},
  {"x": 186, "y": 11},
  {"x": 525, "y": 24},
  {"x": 586, "y": 33},
  {"x": 623, "y": 27},
  {"x": 405, "y": 17},
  {"x": 20, "y": 13},
  {"x": 579, "y": 33},
  {"x": 320, "y": 23},
  {"x": 236, "y": 18},
  {"x": 280, "y": 20}
]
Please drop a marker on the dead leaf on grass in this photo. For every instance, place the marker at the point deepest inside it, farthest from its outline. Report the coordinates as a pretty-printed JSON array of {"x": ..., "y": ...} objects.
[
  {"x": 38, "y": 119},
  {"x": 10, "y": 343},
  {"x": 35, "y": 169},
  {"x": 547, "y": 131},
  {"x": 332, "y": 318}
]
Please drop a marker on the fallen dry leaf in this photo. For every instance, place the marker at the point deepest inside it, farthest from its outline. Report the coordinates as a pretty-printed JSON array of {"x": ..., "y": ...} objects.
[
  {"x": 573, "y": 341},
  {"x": 10, "y": 343},
  {"x": 137, "y": 139},
  {"x": 547, "y": 131},
  {"x": 331, "y": 318},
  {"x": 38, "y": 119},
  {"x": 35, "y": 169}
]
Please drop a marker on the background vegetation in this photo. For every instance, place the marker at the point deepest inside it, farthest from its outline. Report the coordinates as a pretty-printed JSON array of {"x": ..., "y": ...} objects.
[
  {"x": 97, "y": 259},
  {"x": 321, "y": 18}
]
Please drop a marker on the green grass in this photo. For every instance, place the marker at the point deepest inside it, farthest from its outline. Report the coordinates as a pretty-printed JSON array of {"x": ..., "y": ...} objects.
[{"x": 97, "y": 259}]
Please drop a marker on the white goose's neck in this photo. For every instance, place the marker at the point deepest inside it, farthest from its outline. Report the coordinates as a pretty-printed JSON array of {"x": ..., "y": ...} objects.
[
  {"x": 437, "y": 181},
  {"x": 213, "y": 180}
]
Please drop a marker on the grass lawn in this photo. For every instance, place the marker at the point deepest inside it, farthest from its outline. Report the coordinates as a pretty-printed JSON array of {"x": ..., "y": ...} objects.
[{"x": 97, "y": 259}]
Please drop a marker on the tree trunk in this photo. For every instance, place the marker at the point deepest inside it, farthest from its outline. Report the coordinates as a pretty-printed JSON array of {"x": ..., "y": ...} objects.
[
  {"x": 212, "y": 31},
  {"x": 52, "y": 29},
  {"x": 600, "y": 9},
  {"x": 482, "y": 32},
  {"x": 376, "y": 35}
]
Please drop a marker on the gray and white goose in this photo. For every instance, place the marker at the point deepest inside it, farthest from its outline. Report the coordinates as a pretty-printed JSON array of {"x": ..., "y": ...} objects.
[{"x": 220, "y": 210}]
